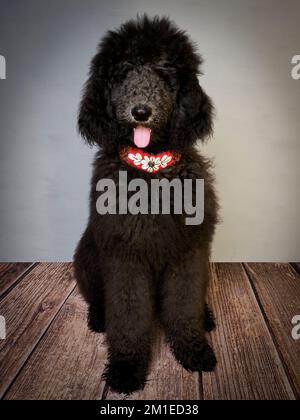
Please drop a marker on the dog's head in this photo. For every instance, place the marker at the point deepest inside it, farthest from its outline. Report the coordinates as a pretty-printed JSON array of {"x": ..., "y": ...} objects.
[{"x": 143, "y": 88}]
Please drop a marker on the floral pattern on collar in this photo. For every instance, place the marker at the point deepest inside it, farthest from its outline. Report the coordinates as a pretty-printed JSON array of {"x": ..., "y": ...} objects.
[{"x": 149, "y": 162}]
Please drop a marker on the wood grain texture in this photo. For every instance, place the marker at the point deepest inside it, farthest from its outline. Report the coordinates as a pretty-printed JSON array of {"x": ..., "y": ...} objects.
[
  {"x": 50, "y": 354},
  {"x": 249, "y": 366},
  {"x": 29, "y": 309},
  {"x": 278, "y": 289},
  {"x": 4, "y": 267},
  {"x": 167, "y": 379},
  {"x": 10, "y": 274},
  {"x": 68, "y": 363}
]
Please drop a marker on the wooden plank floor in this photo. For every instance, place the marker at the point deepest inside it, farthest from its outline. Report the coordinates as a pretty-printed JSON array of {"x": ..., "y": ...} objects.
[{"x": 50, "y": 354}]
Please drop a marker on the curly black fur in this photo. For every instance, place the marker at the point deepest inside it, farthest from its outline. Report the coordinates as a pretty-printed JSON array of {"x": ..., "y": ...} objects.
[
  {"x": 209, "y": 320},
  {"x": 132, "y": 269}
]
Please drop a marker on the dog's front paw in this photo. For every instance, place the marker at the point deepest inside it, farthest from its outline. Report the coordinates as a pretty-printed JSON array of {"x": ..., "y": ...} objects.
[
  {"x": 125, "y": 377},
  {"x": 96, "y": 320},
  {"x": 197, "y": 359}
]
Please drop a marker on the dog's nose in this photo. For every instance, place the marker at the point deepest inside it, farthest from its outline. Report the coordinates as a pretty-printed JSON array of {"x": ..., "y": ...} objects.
[{"x": 141, "y": 112}]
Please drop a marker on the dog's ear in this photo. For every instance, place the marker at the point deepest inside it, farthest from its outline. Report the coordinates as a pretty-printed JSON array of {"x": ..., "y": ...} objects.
[
  {"x": 193, "y": 119},
  {"x": 94, "y": 119}
]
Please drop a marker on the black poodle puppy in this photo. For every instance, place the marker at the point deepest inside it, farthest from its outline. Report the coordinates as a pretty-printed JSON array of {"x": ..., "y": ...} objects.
[{"x": 144, "y": 108}]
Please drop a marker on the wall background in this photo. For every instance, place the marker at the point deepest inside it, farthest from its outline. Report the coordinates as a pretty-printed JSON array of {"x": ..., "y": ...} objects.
[{"x": 45, "y": 168}]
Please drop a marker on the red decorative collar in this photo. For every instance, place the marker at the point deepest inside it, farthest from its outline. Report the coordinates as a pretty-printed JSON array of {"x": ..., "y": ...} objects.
[{"x": 149, "y": 162}]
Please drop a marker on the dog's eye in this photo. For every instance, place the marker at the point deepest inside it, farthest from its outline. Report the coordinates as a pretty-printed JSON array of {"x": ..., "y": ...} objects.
[
  {"x": 123, "y": 69},
  {"x": 168, "y": 74}
]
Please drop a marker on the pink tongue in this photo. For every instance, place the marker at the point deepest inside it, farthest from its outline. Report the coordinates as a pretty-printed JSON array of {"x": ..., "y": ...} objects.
[{"x": 142, "y": 136}]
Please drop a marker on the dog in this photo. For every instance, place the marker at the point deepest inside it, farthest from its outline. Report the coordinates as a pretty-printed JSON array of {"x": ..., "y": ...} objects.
[{"x": 145, "y": 110}]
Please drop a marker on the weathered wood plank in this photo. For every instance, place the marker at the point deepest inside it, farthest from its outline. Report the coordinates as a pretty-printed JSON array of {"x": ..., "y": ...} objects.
[
  {"x": 4, "y": 267},
  {"x": 10, "y": 274},
  {"x": 167, "y": 379},
  {"x": 68, "y": 362},
  {"x": 278, "y": 289},
  {"x": 28, "y": 310},
  {"x": 249, "y": 366}
]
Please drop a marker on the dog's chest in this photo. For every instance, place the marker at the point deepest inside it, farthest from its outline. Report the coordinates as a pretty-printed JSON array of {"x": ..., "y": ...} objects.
[
  {"x": 131, "y": 215},
  {"x": 156, "y": 238}
]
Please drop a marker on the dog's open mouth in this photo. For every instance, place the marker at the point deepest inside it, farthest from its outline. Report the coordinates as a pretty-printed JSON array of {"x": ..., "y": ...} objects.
[{"x": 141, "y": 136}]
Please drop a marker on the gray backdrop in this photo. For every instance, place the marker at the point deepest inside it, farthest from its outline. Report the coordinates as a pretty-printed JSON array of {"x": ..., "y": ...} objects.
[{"x": 45, "y": 168}]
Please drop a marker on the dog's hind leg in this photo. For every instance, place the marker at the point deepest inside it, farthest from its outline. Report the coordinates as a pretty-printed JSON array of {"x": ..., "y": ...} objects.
[
  {"x": 183, "y": 312},
  {"x": 129, "y": 323},
  {"x": 89, "y": 280}
]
